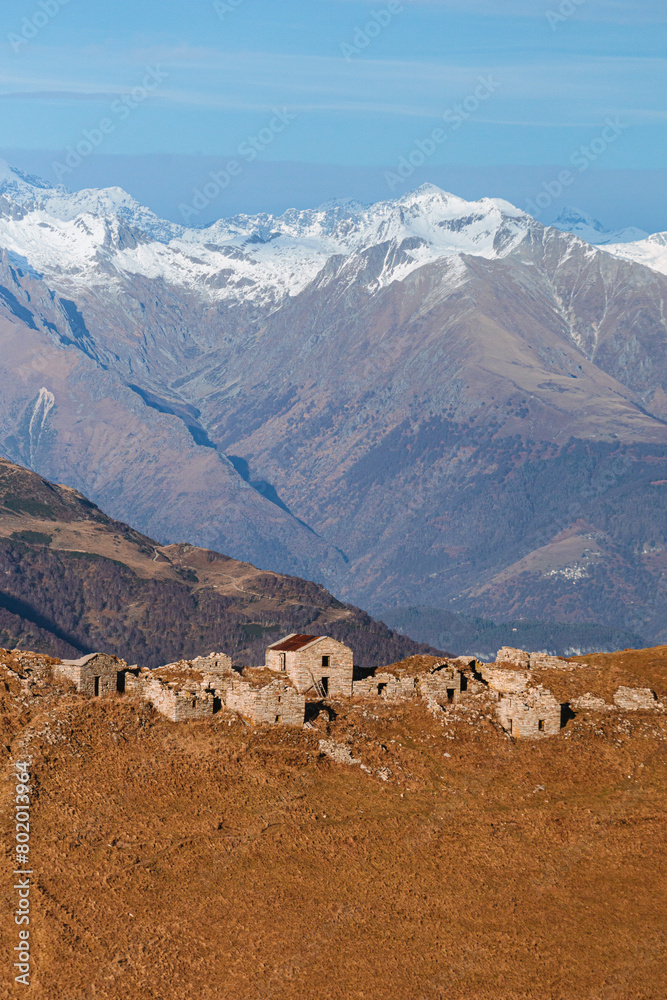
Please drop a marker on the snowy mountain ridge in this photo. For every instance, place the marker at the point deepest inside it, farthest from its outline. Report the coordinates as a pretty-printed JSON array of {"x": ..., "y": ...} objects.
[
  {"x": 104, "y": 236},
  {"x": 95, "y": 237}
]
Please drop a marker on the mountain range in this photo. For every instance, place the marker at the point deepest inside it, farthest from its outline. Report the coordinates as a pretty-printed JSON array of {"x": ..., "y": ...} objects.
[{"x": 423, "y": 402}]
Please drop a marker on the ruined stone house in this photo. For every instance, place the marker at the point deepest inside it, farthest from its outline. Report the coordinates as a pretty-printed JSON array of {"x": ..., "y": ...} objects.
[
  {"x": 95, "y": 674},
  {"x": 314, "y": 663},
  {"x": 275, "y": 703},
  {"x": 530, "y": 714},
  {"x": 178, "y": 701},
  {"x": 444, "y": 684}
]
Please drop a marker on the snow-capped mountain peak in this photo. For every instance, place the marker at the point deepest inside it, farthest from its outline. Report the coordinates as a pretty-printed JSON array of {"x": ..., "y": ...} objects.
[
  {"x": 571, "y": 220},
  {"x": 95, "y": 237},
  {"x": 83, "y": 237}
]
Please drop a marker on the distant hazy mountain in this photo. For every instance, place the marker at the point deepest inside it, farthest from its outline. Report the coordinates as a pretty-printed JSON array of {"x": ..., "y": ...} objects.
[
  {"x": 424, "y": 401},
  {"x": 571, "y": 220},
  {"x": 630, "y": 244},
  {"x": 463, "y": 634}
]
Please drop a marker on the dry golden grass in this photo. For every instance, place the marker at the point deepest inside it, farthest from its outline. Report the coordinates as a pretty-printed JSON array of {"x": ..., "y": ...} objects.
[{"x": 220, "y": 862}]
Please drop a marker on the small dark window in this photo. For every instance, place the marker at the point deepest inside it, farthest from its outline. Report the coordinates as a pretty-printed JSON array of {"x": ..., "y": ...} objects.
[
  {"x": 97, "y": 686},
  {"x": 325, "y": 661},
  {"x": 278, "y": 718},
  {"x": 511, "y": 724},
  {"x": 120, "y": 681},
  {"x": 381, "y": 688},
  {"x": 450, "y": 695},
  {"x": 540, "y": 725}
]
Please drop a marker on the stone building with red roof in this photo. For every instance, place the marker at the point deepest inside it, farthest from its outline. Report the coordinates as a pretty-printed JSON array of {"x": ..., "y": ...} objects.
[{"x": 315, "y": 664}]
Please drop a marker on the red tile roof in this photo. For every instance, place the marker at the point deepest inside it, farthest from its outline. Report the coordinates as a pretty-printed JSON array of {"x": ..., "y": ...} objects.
[{"x": 294, "y": 642}]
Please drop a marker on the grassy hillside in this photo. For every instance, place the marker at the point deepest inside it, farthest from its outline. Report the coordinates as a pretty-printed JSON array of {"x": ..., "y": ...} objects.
[{"x": 215, "y": 860}]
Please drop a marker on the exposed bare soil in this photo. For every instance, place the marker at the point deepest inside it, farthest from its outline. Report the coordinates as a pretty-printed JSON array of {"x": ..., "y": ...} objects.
[{"x": 216, "y": 861}]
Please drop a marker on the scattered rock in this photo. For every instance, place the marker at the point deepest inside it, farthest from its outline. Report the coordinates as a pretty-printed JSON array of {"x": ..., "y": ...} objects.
[{"x": 338, "y": 752}]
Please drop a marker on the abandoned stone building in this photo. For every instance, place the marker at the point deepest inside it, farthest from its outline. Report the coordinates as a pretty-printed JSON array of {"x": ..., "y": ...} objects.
[
  {"x": 95, "y": 674},
  {"x": 178, "y": 701},
  {"x": 305, "y": 667},
  {"x": 276, "y": 703},
  {"x": 442, "y": 685},
  {"x": 315, "y": 663},
  {"x": 530, "y": 715},
  {"x": 196, "y": 689}
]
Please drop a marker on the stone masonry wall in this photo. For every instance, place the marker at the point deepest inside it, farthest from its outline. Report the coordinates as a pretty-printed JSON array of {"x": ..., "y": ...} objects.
[
  {"x": 505, "y": 681},
  {"x": 277, "y": 702},
  {"x": 521, "y": 658},
  {"x": 385, "y": 686},
  {"x": 442, "y": 686},
  {"x": 304, "y": 666},
  {"x": 215, "y": 664},
  {"x": 636, "y": 699},
  {"x": 178, "y": 704},
  {"x": 530, "y": 714},
  {"x": 83, "y": 674}
]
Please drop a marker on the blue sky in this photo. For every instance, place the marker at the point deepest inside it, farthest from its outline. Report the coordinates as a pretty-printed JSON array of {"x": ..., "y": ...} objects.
[{"x": 556, "y": 69}]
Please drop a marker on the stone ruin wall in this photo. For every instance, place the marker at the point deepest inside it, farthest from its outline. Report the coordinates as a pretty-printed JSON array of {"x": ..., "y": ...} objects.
[
  {"x": 215, "y": 664},
  {"x": 182, "y": 701},
  {"x": 83, "y": 675},
  {"x": 386, "y": 686},
  {"x": 521, "y": 714},
  {"x": 178, "y": 704},
  {"x": 443, "y": 686},
  {"x": 304, "y": 666},
  {"x": 636, "y": 699},
  {"x": 505, "y": 681},
  {"x": 277, "y": 702},
  {"x": 531, "y": 661}
]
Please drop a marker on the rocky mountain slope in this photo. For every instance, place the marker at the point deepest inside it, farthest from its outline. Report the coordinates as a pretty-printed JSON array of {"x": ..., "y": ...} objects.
[
  {"x": 73, "y": 581},
  {"x": 424, "y": 401}
]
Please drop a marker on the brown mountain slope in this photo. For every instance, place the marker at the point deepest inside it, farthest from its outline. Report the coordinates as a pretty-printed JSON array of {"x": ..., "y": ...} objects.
[
  {"x": 442, "y": 428},
  {"x": 75, "y": 580},
  {"x": 66, "y": 412},
  {"x": 217, "y": 860}
]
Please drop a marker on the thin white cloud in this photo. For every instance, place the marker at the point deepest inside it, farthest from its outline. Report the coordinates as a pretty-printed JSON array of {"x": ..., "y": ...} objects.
[
  {"x": 534, "y": 91},
  {"x": 609, "y": 11}
]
